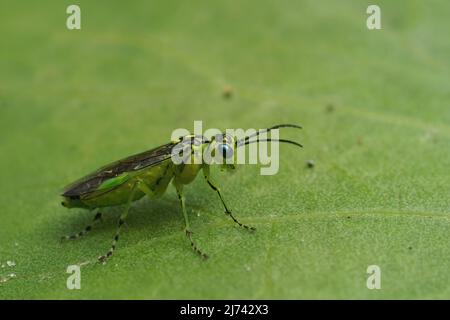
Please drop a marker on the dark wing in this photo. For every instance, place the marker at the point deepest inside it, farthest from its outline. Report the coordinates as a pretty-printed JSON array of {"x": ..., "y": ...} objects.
[{"x": 135, "y": 162}]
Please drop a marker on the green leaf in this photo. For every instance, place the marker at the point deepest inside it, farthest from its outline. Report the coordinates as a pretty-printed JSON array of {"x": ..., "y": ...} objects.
[{"x": 373, "y": 105}]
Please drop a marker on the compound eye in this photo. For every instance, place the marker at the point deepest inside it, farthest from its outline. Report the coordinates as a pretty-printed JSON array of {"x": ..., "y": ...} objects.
[{"x": 227, "y": 151}]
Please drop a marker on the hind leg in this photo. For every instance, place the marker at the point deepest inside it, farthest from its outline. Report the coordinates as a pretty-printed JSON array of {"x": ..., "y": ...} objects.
[{"x": 86, "y": 230}]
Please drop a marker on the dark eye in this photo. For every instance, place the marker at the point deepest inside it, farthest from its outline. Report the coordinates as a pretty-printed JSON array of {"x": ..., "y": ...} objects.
[{"x": 227, "y": 151}]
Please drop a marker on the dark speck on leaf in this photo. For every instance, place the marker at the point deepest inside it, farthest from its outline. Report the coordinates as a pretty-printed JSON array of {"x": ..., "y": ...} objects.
[
  {"x": 330, "y": 108},
  {"x": 227, "y": 92},
  {"x": 310, "y": 164},
  {"x": 410, "y": 248}
]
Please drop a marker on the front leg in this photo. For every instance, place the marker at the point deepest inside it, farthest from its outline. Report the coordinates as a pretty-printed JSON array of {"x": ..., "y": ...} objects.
[{"x": 206, "y": 173}]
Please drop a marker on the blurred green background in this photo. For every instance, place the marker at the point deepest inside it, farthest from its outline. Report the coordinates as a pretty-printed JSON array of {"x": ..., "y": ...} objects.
[{"x": 375, "y": 110}]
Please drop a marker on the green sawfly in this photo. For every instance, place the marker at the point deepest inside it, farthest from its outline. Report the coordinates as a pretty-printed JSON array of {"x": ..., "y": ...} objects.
[{"x": 149, "y": 173}]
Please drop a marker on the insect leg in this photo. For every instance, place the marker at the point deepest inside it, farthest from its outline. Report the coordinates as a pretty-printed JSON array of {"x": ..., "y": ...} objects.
[
  {"x": 122, "y": 218},
  {"x": 98, "y": 217},
  {"x": 227, "y": 211},
  {"x": 179, "y": 188},
  {"x": 145, "y": 189}
]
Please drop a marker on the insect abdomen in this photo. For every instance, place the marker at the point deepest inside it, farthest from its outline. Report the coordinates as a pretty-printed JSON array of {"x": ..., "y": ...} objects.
[{"x": 156, "y": 178}]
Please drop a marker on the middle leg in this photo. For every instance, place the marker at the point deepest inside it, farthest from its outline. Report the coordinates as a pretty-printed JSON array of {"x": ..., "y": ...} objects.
[
  {"x": 122, "y": 218},
  {"x": 179, "y": 188}
]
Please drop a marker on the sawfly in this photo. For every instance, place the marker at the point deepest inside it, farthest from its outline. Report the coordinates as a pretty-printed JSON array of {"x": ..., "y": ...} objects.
[{"x": 149, "y": 173}]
